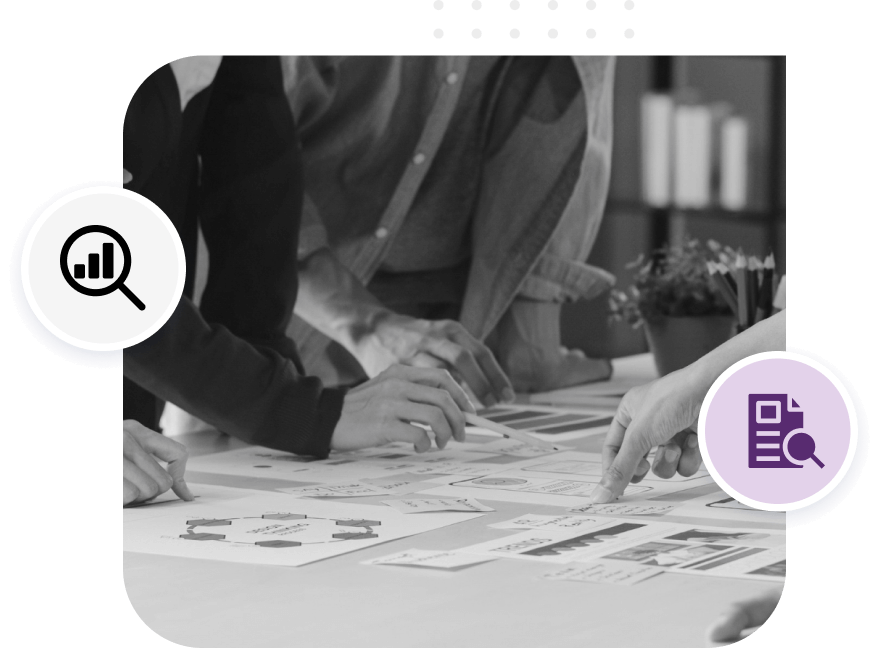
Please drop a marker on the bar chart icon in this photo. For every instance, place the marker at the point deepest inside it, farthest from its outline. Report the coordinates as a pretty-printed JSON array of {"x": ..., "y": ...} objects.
[
  {"x": 97, "y": 269},
  {"x": 100, "y": 265}
]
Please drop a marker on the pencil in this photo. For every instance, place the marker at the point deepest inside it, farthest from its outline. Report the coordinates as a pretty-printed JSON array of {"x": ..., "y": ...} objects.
[
  {"x": 518, "y": 435},
  {"x": 764, "y": 301},
  {"x": 727, "y": 277},
  {"x": 742, "y": 290},
  {"x": 722, "y": 287},
  {"x": 753, "y": 284}
]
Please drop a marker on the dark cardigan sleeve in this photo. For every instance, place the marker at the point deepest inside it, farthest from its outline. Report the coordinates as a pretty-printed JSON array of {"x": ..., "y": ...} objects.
[{"x": 231, "y": 363}]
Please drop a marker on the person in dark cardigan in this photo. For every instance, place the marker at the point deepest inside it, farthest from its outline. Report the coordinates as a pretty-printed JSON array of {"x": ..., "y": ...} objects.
[{"x": 213, "y": 143}]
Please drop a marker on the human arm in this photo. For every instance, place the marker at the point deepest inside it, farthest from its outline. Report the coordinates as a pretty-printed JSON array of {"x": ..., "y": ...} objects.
[
  {"x": 143, "y": 478},
  {"x": 744, "y": 615},
  {"x": 662, "y": 413},
  {"x": 334, "y": 301}
]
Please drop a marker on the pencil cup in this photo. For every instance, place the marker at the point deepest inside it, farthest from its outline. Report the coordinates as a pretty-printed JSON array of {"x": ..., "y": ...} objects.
[{"x": 677, "y": 342}]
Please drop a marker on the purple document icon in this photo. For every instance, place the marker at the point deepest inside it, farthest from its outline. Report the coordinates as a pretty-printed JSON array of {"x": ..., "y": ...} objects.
[{"x": 772, "y": 418}]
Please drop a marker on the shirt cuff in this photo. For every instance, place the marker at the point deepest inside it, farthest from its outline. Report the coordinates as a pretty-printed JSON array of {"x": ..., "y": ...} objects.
[{"x": 555, "y": 279}]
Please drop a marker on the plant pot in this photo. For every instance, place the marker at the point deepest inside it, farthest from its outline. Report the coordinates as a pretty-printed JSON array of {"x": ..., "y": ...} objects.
[{"x": 677, "y": 342}]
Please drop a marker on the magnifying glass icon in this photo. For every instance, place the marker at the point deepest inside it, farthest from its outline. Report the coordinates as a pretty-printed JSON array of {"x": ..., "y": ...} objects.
[
  {"x": 799, "y": 447},
  {"x": 79, "y": 269}
]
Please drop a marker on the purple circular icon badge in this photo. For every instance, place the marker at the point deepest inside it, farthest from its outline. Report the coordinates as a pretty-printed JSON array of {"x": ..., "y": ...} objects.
[{"x": 777, "y": 431}]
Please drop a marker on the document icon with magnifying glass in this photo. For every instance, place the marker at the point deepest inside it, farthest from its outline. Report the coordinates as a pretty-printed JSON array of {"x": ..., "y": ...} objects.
[{"x": 772, "y": 418}]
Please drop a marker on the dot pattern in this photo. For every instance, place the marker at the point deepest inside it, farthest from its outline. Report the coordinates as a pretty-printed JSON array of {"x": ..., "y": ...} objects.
[{"x": 552, "y": 5}]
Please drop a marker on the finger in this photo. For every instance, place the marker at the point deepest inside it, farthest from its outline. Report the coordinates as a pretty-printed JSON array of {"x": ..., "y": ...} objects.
[
  {"x": 130, "y": 493},
  {"x": 618, "y": 475},
  {"x": 175, "y": 454},
  {"x": 435, "y": 378},
  {"x": 691, "y": 457},
  {"x": 641, "y": 471},
  {"x": 501, "y": 387},
  {"x": 463, "y": 361},
  {"x": 613, "y": 442},
  {"x": 146, "y": 463},
  {"x": 741, "y": 616},
  {"x": 402, "y": 432},
  {"x": 429, "y": 415},
  {"x": 426, "y": 360},
  {"x": 665, "y": 462},
  {"x": 145, "y": 485},
  {"x": 432, "y": 362}
]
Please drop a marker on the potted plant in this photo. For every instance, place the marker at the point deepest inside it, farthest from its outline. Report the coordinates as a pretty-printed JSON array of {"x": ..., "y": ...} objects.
[{"x": 673, "y": 297}]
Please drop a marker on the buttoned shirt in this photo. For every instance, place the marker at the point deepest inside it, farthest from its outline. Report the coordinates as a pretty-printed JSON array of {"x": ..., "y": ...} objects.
[{"x": 379, "y": 145}]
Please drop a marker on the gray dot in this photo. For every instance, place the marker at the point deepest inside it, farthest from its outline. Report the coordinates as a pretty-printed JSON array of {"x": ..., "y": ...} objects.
[
  {"x": 630, "y": 33},
  {"x": 514, "y": 33},
  {"x": 438, "y": 4},
  {"x": 477, "y": 33},
  {"x": 630, "y": 5},
  {"x": 514, "y": 5},
  {"x": 553, "y": 33},
  {"x": 590, "y": 5},
  {"x": 437, "y": 33},
  {"x": 590, "y": 33},
  {"x": 477, "y": 4},
  {"x": 553, "y": 5}
]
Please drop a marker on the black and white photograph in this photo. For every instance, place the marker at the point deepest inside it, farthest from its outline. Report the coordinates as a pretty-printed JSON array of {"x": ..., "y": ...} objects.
[{"x": 426, "y": 295}]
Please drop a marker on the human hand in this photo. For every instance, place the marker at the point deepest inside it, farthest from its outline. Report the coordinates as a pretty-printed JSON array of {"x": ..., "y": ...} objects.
[
  {"x": 743, "y": 615},
  {"x": 381, "y": 410},
  {"x": 143, "y": 478},
  {"x": 441, "y": 344},
  {"x": 661, "y": 414}
]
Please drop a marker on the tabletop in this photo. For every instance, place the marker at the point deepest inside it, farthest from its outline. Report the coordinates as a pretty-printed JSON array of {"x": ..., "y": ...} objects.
[{"x": 341, "y": 602}]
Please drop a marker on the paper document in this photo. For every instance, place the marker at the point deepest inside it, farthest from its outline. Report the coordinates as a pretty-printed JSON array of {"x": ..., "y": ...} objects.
[
  {"x": 605, "y": 572},
  {"x": 417, "y": 506},
  {"x": 556, "y": 546},
  {"x": 342, "y": 490},
  {"x": 428, "y": 559},
  {"x": 205, "y": 494},
  {"x": 623, "y": 509},
  {"x": 541, "y": 522},
  {"x": 273, "y": 529}
]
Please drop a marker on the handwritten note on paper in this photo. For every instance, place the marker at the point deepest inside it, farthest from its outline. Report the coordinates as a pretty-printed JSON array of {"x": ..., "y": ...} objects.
[
  {"x": 539, "y": 522},
  {"x": 604, "y": 572},
  {"x": 341, "y": 490},
  {"x": 622, "y": 509},
  {"x": 428, "y": 559},
  {"x": 418, "y": 505}
]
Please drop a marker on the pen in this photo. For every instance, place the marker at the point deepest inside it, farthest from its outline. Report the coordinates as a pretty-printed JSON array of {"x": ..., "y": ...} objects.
[{"x": 475, "y": 420}]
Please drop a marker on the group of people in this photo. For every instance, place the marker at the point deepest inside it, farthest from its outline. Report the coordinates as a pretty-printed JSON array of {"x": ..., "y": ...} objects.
[{"x": 406, "y": 228}]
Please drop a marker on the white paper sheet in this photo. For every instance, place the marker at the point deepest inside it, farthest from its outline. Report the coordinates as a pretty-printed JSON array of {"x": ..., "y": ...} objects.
[
  {"x": 539, "y": 482},
  {"x": 428, "y": 559},
  {"x": 605, "y": 572},
  {"x": 340, "y": 490},
  {"x": 542, "y": 522},
  {"x": 357, "y": 466},
  {"x": 743, "y": 563},
  {"x": 589, "y": 465},
  {"x": 421, "y": 505},
  {"x": 541, "y": 421},
  {"x": 623, "y": 509},
  {"x": 274, "y": 529},
  {"x": 718, "y": 505},
  {"x": 205, "y": 494},
  {"x": 555, "y": 546},
  {"x": 515, "y": 448}
]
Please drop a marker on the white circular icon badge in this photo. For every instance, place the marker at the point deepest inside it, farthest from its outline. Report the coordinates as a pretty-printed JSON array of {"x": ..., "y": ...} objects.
[
  {"x": 777, "y": 431},
  {"x": 103, "y": 268}
]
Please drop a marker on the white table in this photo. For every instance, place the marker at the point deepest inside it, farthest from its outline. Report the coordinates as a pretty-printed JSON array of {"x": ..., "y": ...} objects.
[{"x": 339, "y": 602}]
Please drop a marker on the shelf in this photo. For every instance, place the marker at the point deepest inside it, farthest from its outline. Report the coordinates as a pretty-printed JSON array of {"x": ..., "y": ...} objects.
[{"x": 745, "y": 216}]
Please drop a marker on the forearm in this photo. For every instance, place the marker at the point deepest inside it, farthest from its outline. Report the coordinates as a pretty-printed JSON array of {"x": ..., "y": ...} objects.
[
  {"x": 333, "y": 301},
  {"x": 765, "y": 336},
  {"x": 250, "y": 392}
]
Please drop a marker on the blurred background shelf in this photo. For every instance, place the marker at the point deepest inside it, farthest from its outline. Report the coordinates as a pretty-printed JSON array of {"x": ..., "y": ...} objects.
[{"x": 756, "y": 87}]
